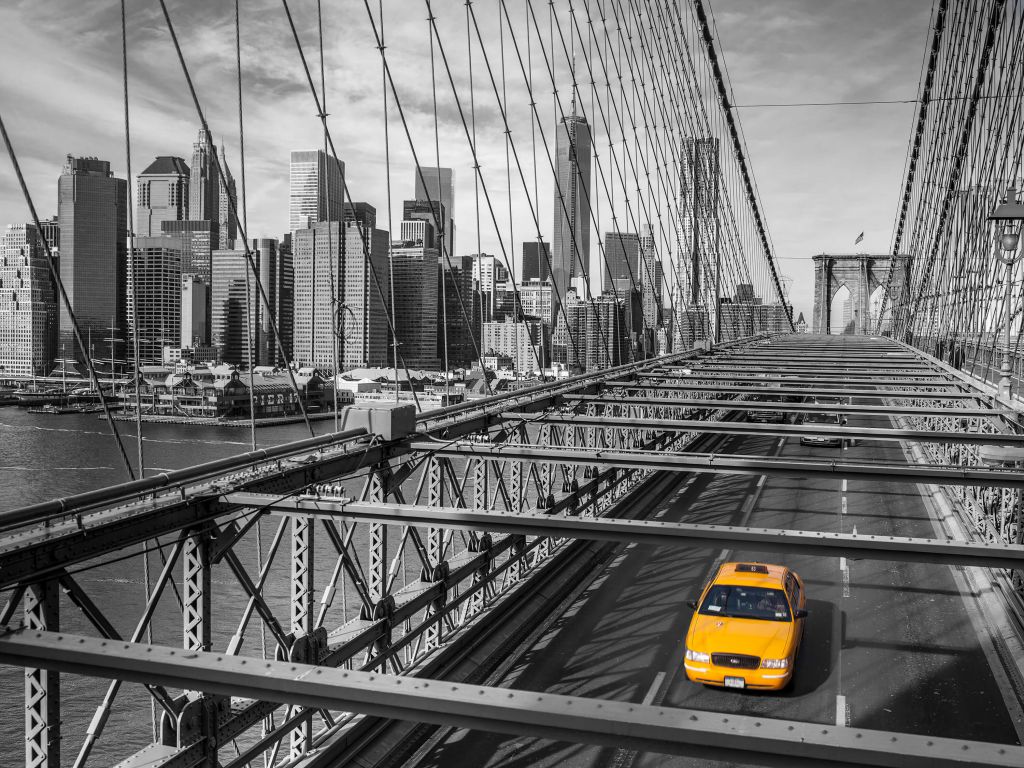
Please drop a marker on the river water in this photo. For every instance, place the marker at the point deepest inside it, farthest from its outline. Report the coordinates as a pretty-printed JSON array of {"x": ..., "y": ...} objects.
[{"x": 48, "y": 456}]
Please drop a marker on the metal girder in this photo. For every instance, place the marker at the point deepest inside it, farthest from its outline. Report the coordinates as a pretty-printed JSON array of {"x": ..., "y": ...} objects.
[
  {"x": 748, "y": 405},
  {"x": 895, "y": 548},
  {"x": 693, "y": 733},
  {"x": 42, "y": 684},
  {"x": 816, "y": 381},
  {"x": 853, "y": 373},
  {"x": 796, "y": 430},
  {"x": 719, "y": 463},
  {"x": 798, "y": 392}
]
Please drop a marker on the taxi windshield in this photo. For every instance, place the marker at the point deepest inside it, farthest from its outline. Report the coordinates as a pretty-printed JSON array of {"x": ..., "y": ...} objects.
[{"x": 746, "y": 603}]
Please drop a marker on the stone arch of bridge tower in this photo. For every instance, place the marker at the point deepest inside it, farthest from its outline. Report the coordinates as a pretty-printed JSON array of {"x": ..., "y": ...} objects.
[{"x": 862, "y": 274}]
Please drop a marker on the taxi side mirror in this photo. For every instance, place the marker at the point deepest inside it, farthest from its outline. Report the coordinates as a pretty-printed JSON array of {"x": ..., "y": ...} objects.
[
  {"x": 692, "y": 604},
  {"x": 800, "y": 613}
]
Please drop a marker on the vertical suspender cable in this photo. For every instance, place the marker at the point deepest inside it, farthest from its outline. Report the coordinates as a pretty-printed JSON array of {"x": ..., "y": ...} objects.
[
  {"x": 131, "y": 242},
  {"x": 387, "y": 183},
  {"x": 337, "y": 282},
  {"x": 250, "y": 323}
]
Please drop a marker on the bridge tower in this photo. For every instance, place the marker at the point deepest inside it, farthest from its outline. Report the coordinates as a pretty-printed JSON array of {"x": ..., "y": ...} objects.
[{"x": 862, "y": 274}]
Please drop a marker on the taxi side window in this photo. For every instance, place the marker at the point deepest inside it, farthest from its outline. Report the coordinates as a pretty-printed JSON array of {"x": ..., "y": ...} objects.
[{"x": 793, "y": 590}]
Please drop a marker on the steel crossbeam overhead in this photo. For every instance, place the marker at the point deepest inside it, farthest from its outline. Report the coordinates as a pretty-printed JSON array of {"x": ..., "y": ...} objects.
[
  {"x": 718, "y": 463},
  {"x": 788, "y": 430},
  {"x": 750, "y": 405},
  {"x": 795, "y": 392},
  {"x": 836, "y": 370},
  {"x": 665, "y": 730},
  {"x": 655, "y": 532},
  {"x": 815, "y": 381}
]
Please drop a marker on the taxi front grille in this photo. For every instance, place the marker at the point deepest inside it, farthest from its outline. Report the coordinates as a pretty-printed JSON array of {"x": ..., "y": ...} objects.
[{"x": 735, "y": 660}]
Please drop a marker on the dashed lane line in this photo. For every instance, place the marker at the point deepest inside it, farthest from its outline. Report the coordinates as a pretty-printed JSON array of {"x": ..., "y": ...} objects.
[
  {"x": 842, "y": 713},
  {"x": 654, "y": 688}
]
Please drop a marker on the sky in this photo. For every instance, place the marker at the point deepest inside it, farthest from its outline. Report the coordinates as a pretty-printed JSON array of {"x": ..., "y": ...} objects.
[{"x": 824, "y": 174}]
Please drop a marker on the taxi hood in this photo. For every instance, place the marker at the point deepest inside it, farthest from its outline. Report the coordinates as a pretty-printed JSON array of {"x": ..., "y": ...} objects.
[{"x": 754, "y": 637}]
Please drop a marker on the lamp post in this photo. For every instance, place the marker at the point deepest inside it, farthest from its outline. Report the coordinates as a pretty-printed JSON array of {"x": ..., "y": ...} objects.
[{"x": 1008, "y": 216}]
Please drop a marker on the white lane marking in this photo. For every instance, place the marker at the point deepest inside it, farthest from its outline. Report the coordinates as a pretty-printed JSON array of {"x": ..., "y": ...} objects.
[
  {"x": 842, "y": 563},
  {"x": 842, "y": 716},
  {"x": 846, "y": 581},
  {"x": 844, "y": 484},
  {"x": 844, "y": 506},
  {"x": 654, "y": 688},
  {"x": 782, "y": 441},
  {"x": 855, "y": 530}
]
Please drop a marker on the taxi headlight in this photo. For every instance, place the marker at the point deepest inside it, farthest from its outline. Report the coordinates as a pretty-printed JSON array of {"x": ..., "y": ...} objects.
[
  {"x": 774, "y": 663},
  {"x": 697, "y": 656}
]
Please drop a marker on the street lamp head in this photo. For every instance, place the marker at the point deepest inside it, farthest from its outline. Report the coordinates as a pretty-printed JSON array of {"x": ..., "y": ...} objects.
[
  {"x": 1010, "y": 210},
  {"x": 1009, "y": 214}
]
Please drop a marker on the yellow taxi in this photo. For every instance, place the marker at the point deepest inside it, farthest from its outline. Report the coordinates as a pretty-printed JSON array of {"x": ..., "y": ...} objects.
[{"x": 746, "y": 627}]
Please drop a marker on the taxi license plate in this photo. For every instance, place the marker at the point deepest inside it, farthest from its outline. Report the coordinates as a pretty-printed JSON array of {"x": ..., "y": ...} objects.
[{"x": 735, "y": 682}]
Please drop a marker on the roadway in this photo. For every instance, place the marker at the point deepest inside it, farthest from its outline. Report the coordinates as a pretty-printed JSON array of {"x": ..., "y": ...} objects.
[{"x": 888, "y": 646}]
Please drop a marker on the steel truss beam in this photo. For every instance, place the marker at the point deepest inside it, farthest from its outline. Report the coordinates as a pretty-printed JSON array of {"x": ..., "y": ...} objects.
[
  {"x": 797, "y": 392},
  {"x": 749, "y": 405},
  {"x": 796, "y": 430},
  {"x": 719, "y": 463},
  {"x": 894, "y": 548},
  {"x": 853, "y": 372},
  {"x": 699, "y": 374},
  {"x": 692, "y": 733}
]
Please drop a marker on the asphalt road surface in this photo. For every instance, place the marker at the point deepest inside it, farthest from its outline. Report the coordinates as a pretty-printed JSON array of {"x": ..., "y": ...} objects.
[{"x": 888, "y": 646}]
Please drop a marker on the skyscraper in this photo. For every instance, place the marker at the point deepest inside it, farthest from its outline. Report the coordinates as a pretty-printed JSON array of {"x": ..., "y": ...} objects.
[
  {"x": 698, "y": 216},
  {"x": 459, "y": 301},
  {"x": 490, "y": 277},
  {"x": 437, "y": 185},
  {"x": 652, "y": 280},
  {"x": 227, "y": 205},
  {"x": 536, "y": 260},
  {"x": 209, "y": 199},
  {"x": 365, "y": 296},
  {"x": 316, "y": 189},
  {"x": 195, "y": 302},
  {"x": 697, "y": 239},
  {"x": 237, "y": 309},
  {"x": 571, "y": 239},
  {"x": 204, "y": 186},
  {"x": 265, "y": 251},
  {"x": 156, "y": 265},
  {"x": 92, "y": 207},
  {"x": 414, "y": 267},
  {"x": 162, "y": 195},
  {"x": 28, "y": 305},
  {"x": 622, "y": 254}
]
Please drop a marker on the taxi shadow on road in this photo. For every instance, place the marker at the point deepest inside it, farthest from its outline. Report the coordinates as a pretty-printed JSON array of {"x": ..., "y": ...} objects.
[{"x": 819, "y": 650}]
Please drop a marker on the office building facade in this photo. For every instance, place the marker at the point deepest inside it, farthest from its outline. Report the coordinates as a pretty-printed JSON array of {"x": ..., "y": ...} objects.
[
  {"x": 524, "y": 342},
  {"x": 536, "y": 260},
  {"x": 316, "y": 188},
  {"x": 195, "y": 303},
  {"x": 28, "y": 304},
  {"x": 162, "y": 195},
  {"x": 438, "y": 185},
  {"x": 156, "y": 265},
  {"x": 92, "y": 208},
  {"x": 698, "y": 220},
  {"x": 414, "y": 268},
  {"x": 236, "y": 311}
]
